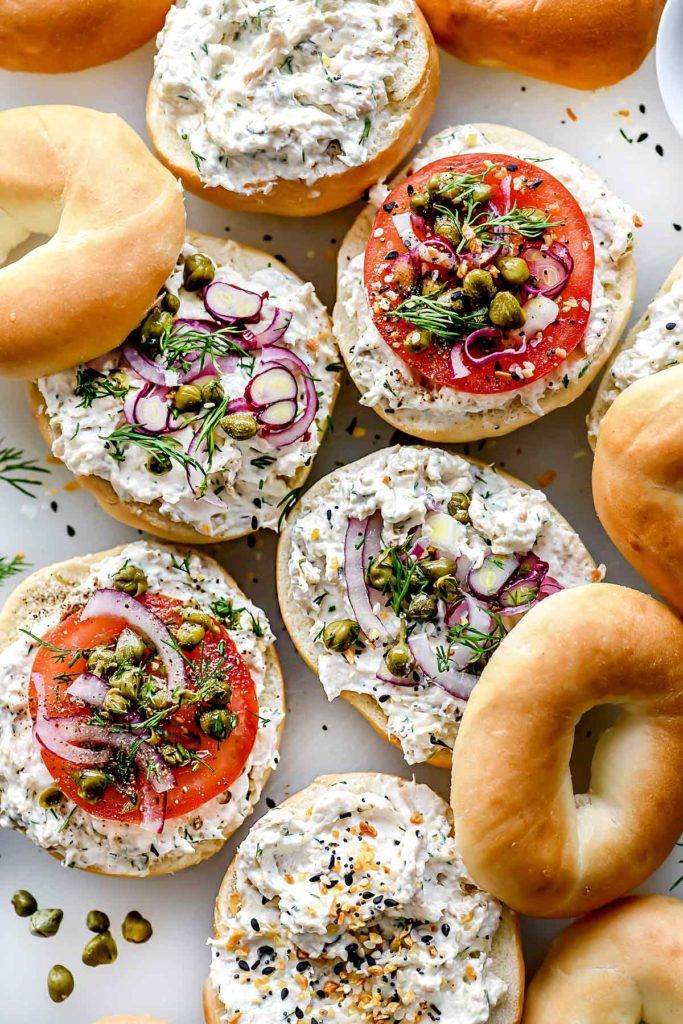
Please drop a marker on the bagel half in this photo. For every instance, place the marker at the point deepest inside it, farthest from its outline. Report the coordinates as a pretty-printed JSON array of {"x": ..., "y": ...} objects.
[
  {"x": 351, "y": 317},
  {"x": 506, "y": 950},
  {"x": 556, "y": 40},
  {"x": 50, "y": 589},
  {"x": 412, "y": 101}
]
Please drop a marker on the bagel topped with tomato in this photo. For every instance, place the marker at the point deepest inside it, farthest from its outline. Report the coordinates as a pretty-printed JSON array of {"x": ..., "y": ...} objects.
[
  {"x": 141, "y": 705},
  {"x": 485, "y": 287}
]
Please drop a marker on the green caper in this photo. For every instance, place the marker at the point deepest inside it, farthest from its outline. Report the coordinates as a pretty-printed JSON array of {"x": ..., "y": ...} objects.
[
  {"x": 170, "y": 302},
  {"x": 418, "y": 340},
  {"x": 458, "y": 506},
  {"x": 438, "y": 567},
  {"x": 198, "y": 271},
  {"x": 92, "y": 784},
  {"x": 24, "y": 903},
  {"x": 60, "y": 983},
  {"x": 212, "y": 391},
  {"x": 448, "y": 228},
  {"x": 114, "y": 702},
  {"x": 422, "y": 607},
  {"x": 191, "y": 614},
  {"x": 158, "y": 463},
  {"x": 478, "y": 286},
  {"x": 131, "y": 580},
  {"x": 188, "y": 398},
  {"x": 130, "y": 648},
  {"x": 100, "y": 950},
  {"x": 155, "y": 324},
  {"x": 240, "y": 425},
  {"x": 136, "y": 928},
  {"x": 127, "y": 682},
  {"x": 452, "y": 299},
  {"x": 102, "y": 661},
  {"x": 443, "y": 182},
  {"x": 481, "y": 193},
  {"x": 217, "y": 723},
  {"x": 45, "y": 923},
  {"x": 97, "y": 921},
  {"x": 218, "y": 693},
  {"x": 189, "y": 634},
  {"x": 158, "y": 700},
  {"x": 419, "y": 202},
  {"x": 51, "y": 796},
  {"x": 340, "y": 634},
  {"x": 513, "y": 269},
  {"x": 177, "y": 756},
  {"x": 380, "y": 571},
  {"x": 448, "y": 588},
  {"x": 505, "y": 311},
  {"x": 398, "y": 658}
]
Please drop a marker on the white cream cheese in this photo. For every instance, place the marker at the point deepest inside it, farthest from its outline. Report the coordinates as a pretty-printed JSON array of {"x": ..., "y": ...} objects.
[
  {"x": 405, "y": 483},
  {"x": 81, "y": 839},
  {"x": 355, "y": 906},
  {"x": 292, "y": 89},
  {"x": 250, "y": 478},
  {"x": 384, "y": 379}
]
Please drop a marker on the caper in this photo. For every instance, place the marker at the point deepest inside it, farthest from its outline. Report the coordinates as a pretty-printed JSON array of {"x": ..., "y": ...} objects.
[
  {"x": 380, "y": 571},
  {"x": 155, "y": 324},
  {"x": 481, "y": 193},
  {"x": 198, "y": 271},
  {"x": 240, "y": 425},
  {"x": 218, "y": 693},
  {"x": 102, "y": 661},
  {"x": 130, "y": 580},
  {"x": 478, "y": 286},
  {"x": 176, "y": 756},
  {"x": 45, "y": 923},
  {"x": 188, "y": 398},
  {"x": 130, "y": 648},
  {"x": 136, "y": 928},
  {"x": 398, "y": 658},
  {"x": 170, "y": 302},
  {"x": 505, "y": 311},
  {"x": 158, "y": 700},
  {"x": 418, "y": 340},
  {"x": 438, "y": 567},
  {"x": 430, "y": 286},
  {"x": 24, "y": 903},
  {"x": 448, "y": 228},
  {"x": 100, "y": 950},
  {"x": 422, "y": 607},
  {"x": 458, "y": 506},
  {"x": 97, "y": 921},
  {"x": 158, "y": 463},
  {"x": 127, "y": 682},
  {"x": 448, "y": 588},
  {"x": 217, "y": 723},
  {"x": 51, "y": 796},
  {"x": 443, "y": 182},
  {"x": 340, "y": 634},
  {"x": 212, "y": 391},
  {"x": 92, "y": 784},
  {"x": 419, "y": 202},
  {"x": 60, "y": 983},
  {"x": 452, "y": 299},
  {"x": 114, "y": 702},
  {"x": 513, "y": 269},
  {"x": 191, "y": 614},
  {"x": 189, "y": 634}
]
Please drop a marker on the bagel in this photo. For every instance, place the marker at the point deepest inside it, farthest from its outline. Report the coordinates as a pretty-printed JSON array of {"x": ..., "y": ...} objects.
[
  {"x": 403, "y": 483},
  {"x": 389, "y": 802},
  {"x": 291, "y": 136},
  {"x": 622, "y": 963},
  {"x": 522, "y": 832},
  {"x": 555, "y": 41},
  {"x": 396, "y": 388},
  {"x": 637, "y": 480},
  {"x": 253, "y": 475},
  {"x": 115, "y": 220},
  {"x": 71, "y": 832},
  {"x": 653, "y": 344},
  {"x": 54, "y": 36}
]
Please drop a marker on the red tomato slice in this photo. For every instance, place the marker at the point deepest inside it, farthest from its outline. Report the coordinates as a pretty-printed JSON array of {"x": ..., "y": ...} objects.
[
  {"x": 223, "y": 761},
  {"x": 512, "y": 182}
]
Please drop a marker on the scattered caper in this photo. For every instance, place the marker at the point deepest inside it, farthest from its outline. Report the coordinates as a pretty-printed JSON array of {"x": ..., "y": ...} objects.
[
  {"x": 174, "y": 755},
  {"x": 478, "y": 286},
  {"x": 60, "y": 983},
  {"x": 419, "y": 202},
  {"x": 217, "y": 723},
  {"x": 158, "y": 700},
  {"x": 380, "y": 571},
  {"x": 191, "y": 614},
  {"x": 97, "y": 921},
  {"x": 131, "y": 580},
  {"x": 136, "y": 928},
  {"x": 212, "y": 391},
  {"x": 398, "y": 658},
  {"x": 218, "y": 693},
  {"x": 114, "y": 702},
  {"x": 240, "y": 425},
  {"x": 448, "y": 228},
  {"x": 442, "y": 182},
  {"x": 505, "y": 311},
  {"x": 422, "y": 607},
  {"x": 447, "y": 588},
  {"x": 458, "y": 506},
  {"x": 198, "y": 271},
  {"x": 100, "y": 950},
  {"x": 480, "y": 193},
  {"x": 102, "y": 661},
  {"x": 51, "y": 796},
  {"x": 45, "y": 923},
  {"x": 92, "y": 784},
  {"x": 170, "y": 302},
  {"x": 127, "y": 682},
  {"x": 24, "y": 903},
  {"x": 340, "y": 634},
  {"x": 430, "y": 286},
  {"x": 158, "y": 463},
  {"x": 155, "y": 324},
  {"x": 130, "y": 648},
  {"x": 189, "y": 634},
  {"x": 452, "y": 299},
  {"x": 418, "y": 340},
  {"x": 438, "y": 567},
  {"x": 513, "y": 269},
  {"x": 188, "y": 398}
]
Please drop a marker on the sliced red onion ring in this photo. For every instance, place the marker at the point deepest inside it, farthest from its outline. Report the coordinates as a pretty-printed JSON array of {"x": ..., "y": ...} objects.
[
  {"x": 548, "y": 587},
  {"x": 549, "y": 267},
  {"x": 238, "y": 405},
  {"x": 278, "y": 415},
  {"x": 271, "y": 334},
  {"x": 272, "y": 385},
  {"x": 476, "y": 344},
  {"x": 506, "y": 193},
  {"x": 472, "y": 612},
  {"x": 283, "y": 357},
  {"x": 229, "y": 303},
  {"x": 438, "y": 253},
  {"x": 185, "y": 325},
  {"x": 356, "y": 589},
  {"x": 403, "y": 222},
  {"x": 148, "y": 369},
  {"x": 148, "y": 409},
  {"x": 492, "y": 575},
  {"x": 455, "y": 682},
  {"x": 153, "y": 810},
  {"x": 540, "y": 313},
  {"x": 373, "y": 538},
  {"x": 385, "y": 676},
  {"x": 59, "y": 736},
  {"x": 457, "y": 365},
  {"x": 520, "y": 594},
  {"x": 89, "y": 688}
]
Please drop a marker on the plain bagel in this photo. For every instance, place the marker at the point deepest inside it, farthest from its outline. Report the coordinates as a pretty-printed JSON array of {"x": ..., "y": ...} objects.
[
  {"x": 637, "y": 477},
  {"x": 115, "y": 220},
  {"x": 522, "y": 832},
  {"x": 55, "y": 36},
  {"x": 556, "y": 41},
  {"x": 622, "y": 963}
]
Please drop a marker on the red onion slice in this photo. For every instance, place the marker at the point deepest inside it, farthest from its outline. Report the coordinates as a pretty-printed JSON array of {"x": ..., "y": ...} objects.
[
  {"x": 385, "y": 676},
  {"x": 271, "y": 334},
  {"x": 403, "y": 222},
  {"x": 548, "y": 587},
  {"x": 149, "y": 410},
  {"x": 478, "y": 341},
  {"x": 153, "y": 810},
  {"x": 283, "y": 357},
  {"x": 540, "y": 313},
  {"x": 373, "y": 538},
  {"x": 469, "y": 611},
  {"x": 229, "y": 303},
  {"x": 457, "y": 365},
  {"x": 278, "y": 415},
  {"x": 549, "y": 269},
  {"x": 59, "y": 735},
  {"x": 437, "y": 252},
  {"x": 355, "y": 581},
  {"x": 519, "y": 595},
  {"x": 272, "y": 385},
  {"x": 89, "y": 688},
  {"x": 148, "y": 369},
  {"x": 492, "y": 575},
  {"x": 455, "y": 682}
]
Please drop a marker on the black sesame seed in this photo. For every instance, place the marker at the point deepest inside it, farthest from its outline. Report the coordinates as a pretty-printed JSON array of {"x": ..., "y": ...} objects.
[
  {"x": 270, "y": 802},
  {"x": 302, "y": 965},
  {"x": 243, "y": 965},
  {"x": 512, "y": 167},
  {"x": 410, "y": 190},
  {"x": 299, "y": 1013},
  {"x": 390, "y": 903},
  {"x": 446, "y": 929},
  {"x": 659, "y": 150},
  {"x": 268, "y": 970},
  {"x": 255, "y": 925},
  {"x": 70, "y": 531},
  {"x": 391, "y": 255},
  {"x": 284, "y": 994},
  {"x": 266, "y": 951},
  {"x": 671, "y": 326}
]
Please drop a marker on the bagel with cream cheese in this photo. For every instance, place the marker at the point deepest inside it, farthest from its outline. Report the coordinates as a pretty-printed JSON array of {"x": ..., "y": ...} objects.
[
  {"x": 115, "y": 222},
  {"x": 486, "y": 288},
  {"x": 100, "y": 654},
  {"x": 196, "y": 429},
  {"x": 652, "y": 344},
  {"x": 399, "y": 574},
  {"x": 557, "y": 40},
  {"x": 637, "y": 480},
  {"x": 353, "y": 873},
  {"x": 522, "y": 831},
  {"x": 54, "y": 36},
  {"x": 323, "y": 101},
  {"x": 622, "y": 963}
]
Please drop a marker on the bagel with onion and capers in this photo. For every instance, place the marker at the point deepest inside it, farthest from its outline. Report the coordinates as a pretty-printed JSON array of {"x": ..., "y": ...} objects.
[
  {"x": 202, "y": 421},
  {"x": 141, "y": 707},
  {"x": 399, "y": 575}
]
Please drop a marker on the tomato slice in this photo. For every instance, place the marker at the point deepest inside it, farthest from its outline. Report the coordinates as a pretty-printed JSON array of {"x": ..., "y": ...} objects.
[
  {"x": 217, "y": 762},
  {"x": 513, "y": 183}
]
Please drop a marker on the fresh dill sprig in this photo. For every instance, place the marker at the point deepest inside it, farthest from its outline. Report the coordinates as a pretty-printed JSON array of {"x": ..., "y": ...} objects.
[
  {"x": 431, "y": 315},
  {"x": 91, "y": 385},
  {"x": 182, "y": 349},
  {"x": 225, "y": 611},
  {"x": 529, "y": 222},
  {"x": 481, "y": 644},
  {"x": 12, "y": 566},
  {"x": 288, "y": 502},
  {"x": 19, "y": 471},
  {"x": 166, "y": 449},
  {"x": 263, "y": 461},
  {"x": 184, "y": 565},
  {"x": 61, "y": 653}
]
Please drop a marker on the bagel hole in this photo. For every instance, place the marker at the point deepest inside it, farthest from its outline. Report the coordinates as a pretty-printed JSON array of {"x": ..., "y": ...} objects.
[
  {"x": 25, "y": 247},
  {"x": 588, "y": 731}
]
